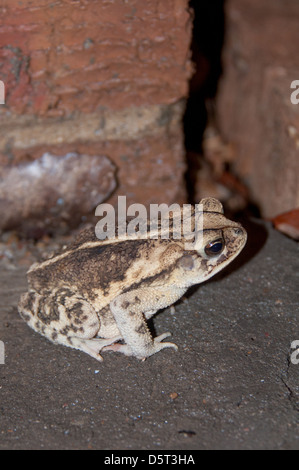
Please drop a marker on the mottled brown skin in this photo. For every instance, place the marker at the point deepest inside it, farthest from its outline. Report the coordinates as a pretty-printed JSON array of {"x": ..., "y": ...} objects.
[{"x": 98, "y": 293}]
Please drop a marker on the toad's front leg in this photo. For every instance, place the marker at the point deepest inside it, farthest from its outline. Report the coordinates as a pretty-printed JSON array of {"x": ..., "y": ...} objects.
[{"x": 130, "y": 311}]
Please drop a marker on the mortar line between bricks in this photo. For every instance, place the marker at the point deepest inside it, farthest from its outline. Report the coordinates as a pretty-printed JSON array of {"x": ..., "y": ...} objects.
[{"x": 130, "y": 123}]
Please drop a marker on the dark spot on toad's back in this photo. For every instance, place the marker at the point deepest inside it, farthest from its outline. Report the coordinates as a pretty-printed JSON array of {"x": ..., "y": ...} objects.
[
  {"x": 29, "y": 301},
  {"x": 76, "y": 311},
  {"x": 48, "y": 313},
  {"x": 63, "y": 294}
]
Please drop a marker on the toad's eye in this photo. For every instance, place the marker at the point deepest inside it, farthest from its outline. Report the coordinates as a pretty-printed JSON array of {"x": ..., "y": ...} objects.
[{"x": 215, "y": 247}]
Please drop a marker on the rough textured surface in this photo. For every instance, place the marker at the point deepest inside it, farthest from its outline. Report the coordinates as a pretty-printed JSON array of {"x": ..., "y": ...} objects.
[
  {"x": 230, "y": 385},
  {"x": 144, "y": 146},
  {"x": 51, "y": 193},
  {"x": 68, "y": 55},
  {"x": 255, "y": 110},
  {"x": 149, "y": 170}
]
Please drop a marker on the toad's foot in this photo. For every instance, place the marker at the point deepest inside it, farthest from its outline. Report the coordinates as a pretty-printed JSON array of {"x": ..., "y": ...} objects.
[
  {"x": 93, "y": 346},
  {"x": 156, "y": 347}
]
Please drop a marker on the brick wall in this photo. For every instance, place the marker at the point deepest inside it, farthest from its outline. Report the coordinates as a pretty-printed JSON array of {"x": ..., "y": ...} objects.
[{"x": 102, "y": 78}]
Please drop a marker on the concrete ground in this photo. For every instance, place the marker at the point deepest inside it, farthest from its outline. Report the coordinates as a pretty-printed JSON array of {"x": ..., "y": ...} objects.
[{"x": 231, "y": 385}]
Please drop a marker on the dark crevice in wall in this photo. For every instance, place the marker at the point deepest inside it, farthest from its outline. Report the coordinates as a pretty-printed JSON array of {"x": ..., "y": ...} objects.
[{"x": 206, "y": 48}]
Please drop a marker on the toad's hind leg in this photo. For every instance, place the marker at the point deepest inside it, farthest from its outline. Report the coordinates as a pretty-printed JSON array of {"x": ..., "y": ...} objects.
[{"x": 64, "y": 318}]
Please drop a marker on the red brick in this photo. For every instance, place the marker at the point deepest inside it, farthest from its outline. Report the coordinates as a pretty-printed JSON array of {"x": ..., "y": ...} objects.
[
  {"x": 12, "y": 38},
  {"x": 38, "y": 63},
  {"x": 25, "y": 17},
  {"x": 78, "y": 45}
]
